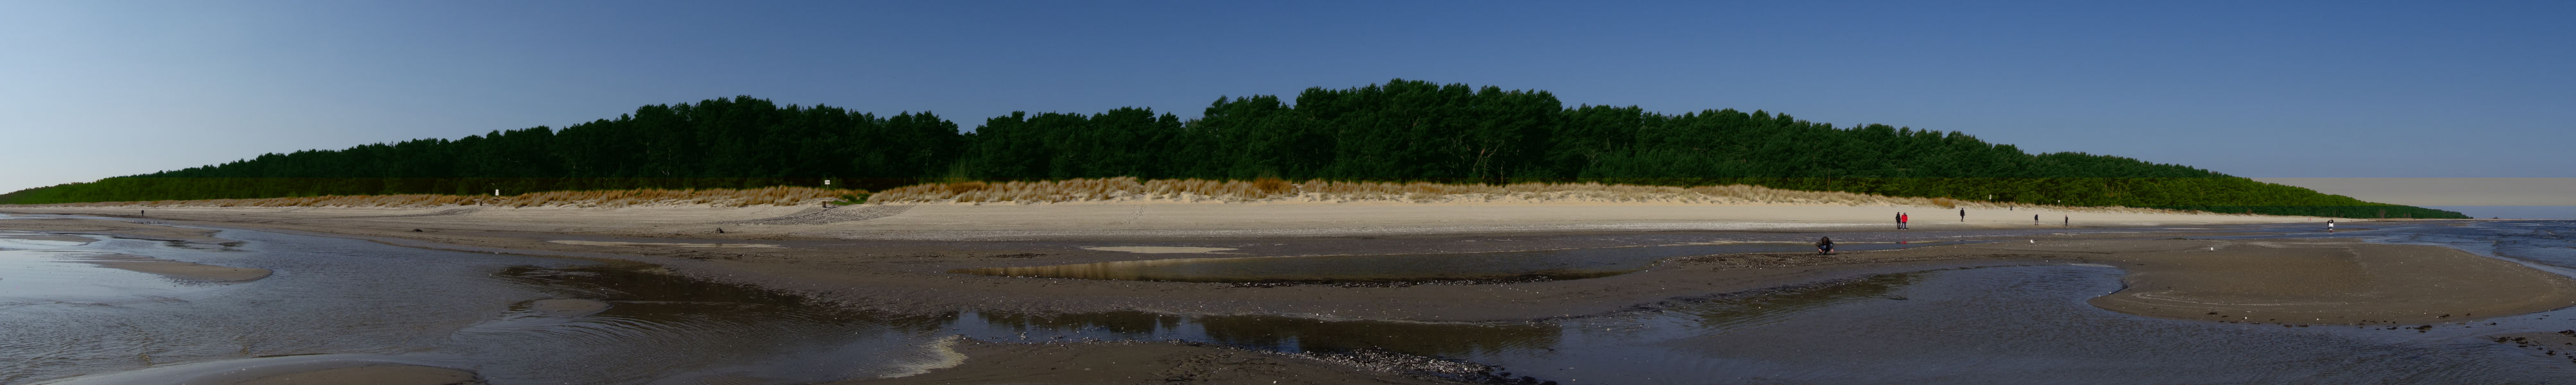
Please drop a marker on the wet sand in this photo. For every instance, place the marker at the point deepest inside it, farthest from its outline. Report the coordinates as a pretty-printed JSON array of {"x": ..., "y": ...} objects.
[
  {"x": 124, "y": 229},
  {"x": 2561, "y": 345},
  {"x": 2255, "y": 281},
  {"x": 1147, "y": 362},
  {"x": 2311, "y": 281},
  {"x": 2331, "y": 281},
  {"x": 57, "y": 229},
  {"x": 379, "y": 374},
  {"x": 185, "y": 271},
  {"x": 288, "y": 370},
  {"x": 49, "y": 237},
  {"x": 567, "y": 307}
]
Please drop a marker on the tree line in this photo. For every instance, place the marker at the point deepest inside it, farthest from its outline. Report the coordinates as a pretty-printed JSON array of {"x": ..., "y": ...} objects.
[{"x": 1402, "y": 130}]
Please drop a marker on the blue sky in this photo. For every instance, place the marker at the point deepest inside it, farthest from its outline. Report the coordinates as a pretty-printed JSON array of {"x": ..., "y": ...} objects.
[{"x": 2277, "y": 89}]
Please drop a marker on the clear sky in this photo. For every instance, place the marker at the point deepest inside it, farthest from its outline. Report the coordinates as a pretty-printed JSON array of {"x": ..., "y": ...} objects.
[{"x": 92, "y": 89}]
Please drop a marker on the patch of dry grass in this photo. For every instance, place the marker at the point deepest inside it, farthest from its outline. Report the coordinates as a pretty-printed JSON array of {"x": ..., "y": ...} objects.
[
  {"x": 777, "y": 196},
  {"x": 1129, "y": 189}
]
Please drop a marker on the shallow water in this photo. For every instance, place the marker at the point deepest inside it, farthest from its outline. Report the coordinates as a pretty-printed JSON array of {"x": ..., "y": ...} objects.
[
  {"x": 338, "y": 299},
  {"x": 1495, "y": 266},
  {"x": 357, "y": 300},
  {"x": 1982, "y": 325}
]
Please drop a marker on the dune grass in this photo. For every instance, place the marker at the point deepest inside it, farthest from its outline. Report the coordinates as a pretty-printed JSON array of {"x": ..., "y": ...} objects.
[
  {"x": 1275, "y": 190},
  {"x": 1127, "y": 189}
]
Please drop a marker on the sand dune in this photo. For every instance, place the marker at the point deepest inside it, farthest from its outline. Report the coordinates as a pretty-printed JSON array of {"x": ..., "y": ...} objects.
[{"x": 1172, "y": 218}]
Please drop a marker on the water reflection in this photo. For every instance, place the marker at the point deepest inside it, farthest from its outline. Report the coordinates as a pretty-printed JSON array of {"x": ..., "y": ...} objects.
[
  {"x": 1117, "y": 324},
  {"x": 1417, "y": 338},
  {"x": 1499, "y": 266},
  {"x": 513, "y": 319},
  {"x": 1753, "y": 308}
]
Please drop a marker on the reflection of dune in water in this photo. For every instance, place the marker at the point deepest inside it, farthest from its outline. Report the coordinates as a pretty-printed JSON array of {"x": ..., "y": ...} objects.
[
  {"x": 1161, "y": 249},
  {"x": 1446, "y": 339},
  {"x": 1329, "y": 268},
  {"x": 1551, "y": 264},
  {"x": 653, "y": 244}
]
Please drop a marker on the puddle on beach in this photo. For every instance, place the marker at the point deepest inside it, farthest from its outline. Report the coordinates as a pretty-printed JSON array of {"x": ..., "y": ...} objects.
[
  {"x": 516, "y": 319},
  {"x": 1498, "y": 266}
]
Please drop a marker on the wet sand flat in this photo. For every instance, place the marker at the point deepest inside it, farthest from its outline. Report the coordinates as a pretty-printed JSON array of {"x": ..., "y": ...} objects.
[
  {"x": 1139, "y": 362},
  {"x": 48, "y": 237},
  {"x": 661, "y": 244},
  {"x": 380, "y": 374},
  {"x": 2262, "y": 280},
  {"x": 916, "y": 276},
  {"x": 186, "y": 271},
  {"x": 2331, "y": 281},
  {"x": 111, "y": 228}
]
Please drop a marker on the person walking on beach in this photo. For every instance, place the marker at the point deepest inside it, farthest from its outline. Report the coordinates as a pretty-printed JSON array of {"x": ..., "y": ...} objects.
[
  {"x": 1963, "y": 215},
  {"x": 1900, "y": 221},
  {"x": 1825, "y": 246},
  {"x": 2034, "y": 219},
  {"x": 2070, "y": 221},
  {"x": 2329, "y": 225}
]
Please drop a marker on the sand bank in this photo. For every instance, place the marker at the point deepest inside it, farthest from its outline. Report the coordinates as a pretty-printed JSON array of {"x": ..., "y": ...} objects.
[
  {"x": 122, "y": 229},
  {"x": 2331, "y": 281},
  {"x": 185, "y": 271},
  {"x": 1149, "y": 362},
  {"x": 49, "y": 237},
  {"x": 661, "y": 244},
  {"x": 57, "y": 229}
]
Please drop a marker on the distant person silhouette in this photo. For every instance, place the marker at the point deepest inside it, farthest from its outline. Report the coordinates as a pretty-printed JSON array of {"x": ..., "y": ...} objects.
[
  {"x": 1825, "y": 246},
  {"x": 2034, "y": 219},
  {"x": 1963, "y": 215}
]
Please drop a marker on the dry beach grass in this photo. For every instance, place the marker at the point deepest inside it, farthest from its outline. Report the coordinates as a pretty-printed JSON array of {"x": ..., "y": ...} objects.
[
  {"x": 1264, "y": 190},
  {"x": 1129, "y": 190}
]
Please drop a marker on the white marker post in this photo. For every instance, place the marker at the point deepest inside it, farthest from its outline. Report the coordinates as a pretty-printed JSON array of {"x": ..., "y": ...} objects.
[{"x": 496, "y": 192}]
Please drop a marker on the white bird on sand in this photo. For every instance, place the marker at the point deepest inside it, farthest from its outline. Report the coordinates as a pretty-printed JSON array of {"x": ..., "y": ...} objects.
[{"x": 2034, "y": 241}]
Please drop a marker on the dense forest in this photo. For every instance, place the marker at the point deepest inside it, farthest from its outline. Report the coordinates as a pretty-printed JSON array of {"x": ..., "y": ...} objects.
[{"x": 1399, "y": 131}]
